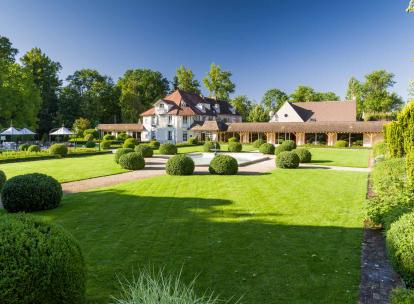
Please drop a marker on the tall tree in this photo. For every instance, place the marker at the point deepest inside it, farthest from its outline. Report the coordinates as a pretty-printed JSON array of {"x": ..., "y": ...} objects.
[
  {"x": 306, "y": 94},
  {"x": 218, "y": 83},
  {"x": 140, "y": 88},
  {"x": 45, "y": 75},
  {"x": 184, "y": 80},
  {"x": 89, "y": 95},
  {"x": 410, "y": 7},
  {"x": 258, "y": 114},
  {"x": 273, "y": 99},
  {"x": 7, "y": 51},
  {"x": 243, "y": 106}
]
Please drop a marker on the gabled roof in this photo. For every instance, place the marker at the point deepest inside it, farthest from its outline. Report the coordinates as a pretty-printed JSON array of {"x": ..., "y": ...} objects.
[
  {"x": 326, "y": 110},
  {"x": 134, "y": 127},
  {"x": 185, "y": 104},
  {"x": 210, "y": 125}
]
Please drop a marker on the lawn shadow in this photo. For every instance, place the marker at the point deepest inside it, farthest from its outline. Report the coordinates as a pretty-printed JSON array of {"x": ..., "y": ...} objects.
[{"x": 321, "y": 161}]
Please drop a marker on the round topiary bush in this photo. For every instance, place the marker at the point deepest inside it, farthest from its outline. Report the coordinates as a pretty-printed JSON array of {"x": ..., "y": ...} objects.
[
  {"x": 88, "y": 137},
  {"x": 105, "y": 144},
  {"x": 129, "y": 145},
  {"x": 24, "y": 147},
  {"x": 90, "y": 144},
  {"x": 31, "y": 192},
  {"x": 108, "y": 137},
  {"x": 235, "y": 147},
  {"x": 289, "y": 145},
  {"x": 304, "y": 155},
  {"x": 33, "y": 148},
  {"x": 281, "y": 148},
  {"x": 121, "y": 151},
  {"x": 193, "y": 140},
  {"x": 154, "y": 144},
  {"x": 168, "y": 149},
  {"x": 257, "y": 143},
  {"x": 144, "y": 150},
  {"x": 93, "y": 132},
  {"x": 287, "y": 160},
  {"x": 223, "y": 165},
  {"x": 341, "y": 144},
  {"x": 41, "y": 263},
  {"x": 267, "y": 149},
  {"x": 233, "y": 139},
  {"x": 122, "y": 136},
  {"x": 58, "y": 149},
  {"x": 132, "y": 161},
  {"x": 180, "y": 165},
  {"x": 400, "y": 245},
  {"x": 3, "y": 179},
  {"x": 210, "y": 145}
]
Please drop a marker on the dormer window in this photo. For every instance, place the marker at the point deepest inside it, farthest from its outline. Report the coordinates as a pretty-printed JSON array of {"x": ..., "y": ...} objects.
[
  {"x": 183, "y": 104},
  {"x": 161, "y": 106}
]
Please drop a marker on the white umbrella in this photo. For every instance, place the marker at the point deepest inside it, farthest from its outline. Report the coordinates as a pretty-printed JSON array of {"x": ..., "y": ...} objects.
[
  {"x": 11, "y": 131},
  {"x": 62, "y": 131},
  {"x": 26, "y": 131}
]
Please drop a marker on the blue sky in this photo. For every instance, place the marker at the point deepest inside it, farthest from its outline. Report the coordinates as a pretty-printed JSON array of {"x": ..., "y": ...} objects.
[{"x": 265, "y": 44}]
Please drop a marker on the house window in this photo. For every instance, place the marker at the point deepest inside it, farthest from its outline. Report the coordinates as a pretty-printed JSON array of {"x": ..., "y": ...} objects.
[
  {"x": 170, "y": 120},
  {"x": 184, "y": 136},
  {"x": 161, "y": 106},
  {"x": 185, "y": 120},
  {"x": 153, "y": 120},
  {"x": 169, "y": 135}
]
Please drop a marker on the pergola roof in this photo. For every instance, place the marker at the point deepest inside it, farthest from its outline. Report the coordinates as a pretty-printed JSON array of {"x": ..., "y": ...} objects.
[
  {"x": 11, "y": 131},
  {"x": 134, "y": 127},
  {"x": 26, "y": 131},
  {"x": 61, "y": 131},
  {"x": 210, "y": 125},
  {"x": 309, "y": 127}
]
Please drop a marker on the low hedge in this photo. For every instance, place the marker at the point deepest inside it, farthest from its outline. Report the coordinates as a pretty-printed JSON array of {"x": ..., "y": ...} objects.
[
  {"x": 58, "y": 149},
  {"x": 257, "y": 143},
  {"x": 23, "y": 156},
  {"x": 90, "y": 144},
  {"x": 168, "y": 149},
  {"x": 3, "y": 179},
  {"x": 180, "y": 165},
  {"x": 402, "y": 296},
  {"x": 267, "y": 148},
  {"x": 144, "y": 150},
  {"x": 121, "y": 151},
  {"x": 209, "y": 145},
  {"x": 287, "y": 160},
  {"x": 24, "y": 147},
  {"x": 33, "y": 148},
  {"x": 380, "y": 148},
  {"x": 304, "y": 155},
  {"x": 40, "y": 263},
  {"x": 105, "y": 144},
  {"x": 154, "y": 144},
  {"x": 31, "y": 192},
  {"x": 193, "y": 140},
  {"x": 341, "y": 144},
  {"x": 400, "y": 246},
  {"x": 233, "y": 139},
  {"x": 132, "y": 161},
  {"x": 223, "y": 165},
  {"x": 94, "y": 133},
  {"x": 235, "y": 146}
]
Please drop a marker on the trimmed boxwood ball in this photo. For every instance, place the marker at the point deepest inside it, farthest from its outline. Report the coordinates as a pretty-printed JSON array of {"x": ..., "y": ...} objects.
[
  {"x": 154, "y": 144},
  {"x": 121, "y": 151},
  {"x": 31, "y": 192},
  {"x": 33, "y": 148},
  {"x": 304, "y": 155},
  {"x": 24, "y": 147},
  {"x": 289, "y": 145},
  {"x": 144, "y": 150},
  {"x": 209, "y": 145},
  {"x": 223, "y": 165},
  {"x": 108, "y": 137},
  {"x": 132, "y": 161},
  {"x": 41, "y": 263},
  {"x": 287, "y": 160},
  {"x": 90, "y": 144},
  {"x": 180, "y": 165},
  {"x": 58, "y": 149},
  {"x": 232, "y": 139},
  {"x": 235, "y": 147},
  {"x": 341, "y": 144},
  {"x": 281, "y": 148},
  {"x": 168, "y": 149},
  {"x": 122, "y": 136},
  {"x": 105, "y": 144},
  {"x": 257, "y": 143},
  {"x": 129, "y": 145},
  {"x": 400, "y": 246},
  {"x": 267, "y": 149},
  {"x": 3, "y": 179}
]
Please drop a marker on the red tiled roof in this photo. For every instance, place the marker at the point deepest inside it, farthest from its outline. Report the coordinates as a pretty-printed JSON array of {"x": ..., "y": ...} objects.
[
  {"x": 326, "y": 110},
  {"x": 210, "y": 125},
  {"x": 121, "y": 127}
]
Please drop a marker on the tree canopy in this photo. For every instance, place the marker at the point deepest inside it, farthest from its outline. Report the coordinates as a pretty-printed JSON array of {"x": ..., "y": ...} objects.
[
  {"x": 184, "y": 80},
  {"x": 218, "y": 83},
  {"x": 306, "y": 94},
  {"x": 410, "y": 7},
  {"x": 273, "y": 99},
  {"x": 243, "y": 106},
  {"x": 258, "y": 114},
  {"x": 140, "y": 88}
]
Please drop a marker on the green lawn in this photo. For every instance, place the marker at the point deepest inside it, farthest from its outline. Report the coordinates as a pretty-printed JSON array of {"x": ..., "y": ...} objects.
[
  {"x": 292, "y": 236},
  {"x": 67, "y": 169},
  {"x": 357, "y": 158}
]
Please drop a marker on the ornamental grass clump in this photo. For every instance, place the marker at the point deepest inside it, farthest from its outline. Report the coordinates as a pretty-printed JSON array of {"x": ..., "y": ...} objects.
[
  {"x": 121, "y": 151},
  {"x": 168, "y": 149},
  {"x": 31, "y": 192},
  {"x": 132, "y": 161},
  {"x": 144, "y": 150},
  {"x": 304, "y": 155},
  {"x": 223, "y": 165},
  {"x": 235, "y": 147},
  {"x": 267, "y": 149},
  {"x": 210, "y": 145},
  {"x": 58, "y": 150},
  {"x": 40, "y": 263},
  {"x": 287, "y": 160},
  {"x": 180, "y": 165}
]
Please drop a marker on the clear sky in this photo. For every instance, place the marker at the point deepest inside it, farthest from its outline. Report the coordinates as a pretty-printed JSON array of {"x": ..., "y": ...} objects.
[{"x": 265, "y": 44}]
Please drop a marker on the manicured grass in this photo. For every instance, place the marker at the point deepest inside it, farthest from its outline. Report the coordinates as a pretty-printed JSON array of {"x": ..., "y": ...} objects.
[
  {"x": 357, "y": 158},
  {"x": 67, "y": 169},
  {"x": 292, "y": 236}
]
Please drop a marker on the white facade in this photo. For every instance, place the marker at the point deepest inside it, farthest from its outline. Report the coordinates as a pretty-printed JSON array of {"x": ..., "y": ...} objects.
[{"x": 286, "y": 113}]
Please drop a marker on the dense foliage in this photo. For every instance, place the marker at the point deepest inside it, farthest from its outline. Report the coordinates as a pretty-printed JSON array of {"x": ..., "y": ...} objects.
[
  {"x": 108, "y": 137},
  {"x": 90, "y": 144},
  {"x": 341, "y": 144},
  {"x": 122, "y": 136},
  {"x": 218, "y": 83},
  {"x": 223, "y": 165},
  {"x": 180, "y": 165},
  {"x": 40, "y": 263},
  {"x": 304, "y": 155},
  {"x": 59, "y": 149},
  {"x": 193, "y": 141},
  {"x": 281, "y": 148},
  {"x": 154, "y": 144},
  {"x": 287, "y": 160},
  {"x": 168, "y": 149},
  {"x": 144, "y": 150},
  {"x": 235, "y": 147},
  {"x": 267, "y": 148},
  {"x": 210, "y": 145},
  {"x": 402, "y": 296},
  {"x": 31, "y": 192},
  {"x": 24, "y": 147},
  {"x": 184, "y": 80},
  {"x": 258, "y": 142},
  {"x": 3, "y": 179},
  {"x": 289, "y": 144},
  {"x": 33, "y": 148},
  {"x": 121, "y": 151},
  {"x": 132, "y": 161},
  {"x": 105, "y": 144},
  {"x": 380, "y": 148},
  {"x": 233, "y": 139}
]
